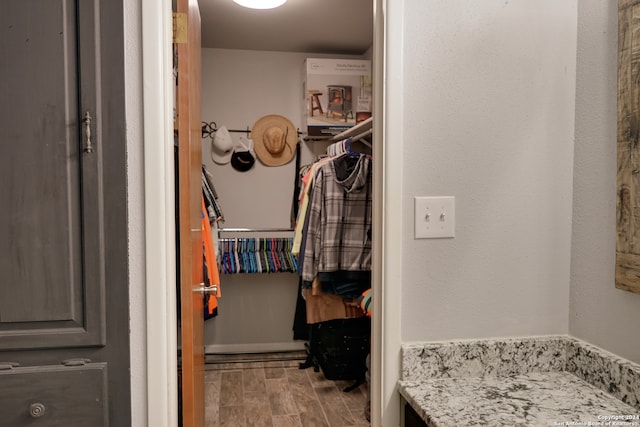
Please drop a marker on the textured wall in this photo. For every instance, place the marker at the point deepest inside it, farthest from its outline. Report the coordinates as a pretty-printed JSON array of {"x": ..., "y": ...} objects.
[
  {"x": 599, "y": 313},
  {"x": 488, "y": 117}
]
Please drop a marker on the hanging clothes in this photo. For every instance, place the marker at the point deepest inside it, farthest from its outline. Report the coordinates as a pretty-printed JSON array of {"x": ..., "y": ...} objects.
[
  {"x": 214, "y": 210},
  {"x": 338, "y": 230},
  {"x": 306, "y": 186},
  {"x": 308, "y": 173},
  {"x": 211, "y": 273},
  {"x": 334, "y": 260}
]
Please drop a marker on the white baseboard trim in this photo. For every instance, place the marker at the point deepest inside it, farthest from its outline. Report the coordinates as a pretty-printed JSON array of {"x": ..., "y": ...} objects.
[{"x": 254, "y": 348}]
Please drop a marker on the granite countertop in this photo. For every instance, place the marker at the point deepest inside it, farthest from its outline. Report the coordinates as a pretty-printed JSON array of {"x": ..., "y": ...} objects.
[
  {"x": 535, "y": 399},
  {"x": 540, "y": 381}
]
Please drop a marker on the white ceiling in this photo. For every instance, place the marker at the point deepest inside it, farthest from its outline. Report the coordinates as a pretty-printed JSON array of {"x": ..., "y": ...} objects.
[{"x": 311, "y": 26}]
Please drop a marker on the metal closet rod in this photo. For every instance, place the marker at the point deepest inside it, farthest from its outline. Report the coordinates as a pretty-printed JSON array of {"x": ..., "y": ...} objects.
[
  {"x": 261, "y": 230},
  {"x": 359, "y": 130},
  {"x": 209, "y": 128}
]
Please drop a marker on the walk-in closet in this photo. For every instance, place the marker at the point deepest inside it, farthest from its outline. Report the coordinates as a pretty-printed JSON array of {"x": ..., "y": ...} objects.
[{"x": 272, "y": 308}]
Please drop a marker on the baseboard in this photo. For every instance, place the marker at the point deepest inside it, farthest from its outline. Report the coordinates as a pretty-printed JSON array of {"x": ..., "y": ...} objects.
[{"x": 254, "y": 348}]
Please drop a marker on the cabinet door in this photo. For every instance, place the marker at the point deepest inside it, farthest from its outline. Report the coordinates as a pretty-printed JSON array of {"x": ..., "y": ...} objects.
[
  {"x": 50, "y": 264},
  {"x": 63, "y": 261}
]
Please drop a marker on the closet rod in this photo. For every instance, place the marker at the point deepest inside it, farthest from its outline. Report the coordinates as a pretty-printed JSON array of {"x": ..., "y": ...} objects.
[
  {"x": 361, "y": 130},
  {"x": 209, "y": 128},
  {"x": 364, "y": 125},
  {"x": 363, "y": 135},
  {"x": 260, "y": 230}
]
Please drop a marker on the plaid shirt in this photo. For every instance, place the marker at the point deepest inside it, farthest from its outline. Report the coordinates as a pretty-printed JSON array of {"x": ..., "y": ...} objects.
[{"x": 339, "y": 227}]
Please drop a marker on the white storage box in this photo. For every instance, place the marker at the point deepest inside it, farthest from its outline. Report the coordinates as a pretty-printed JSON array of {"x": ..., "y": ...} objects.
[{"x": 336, "y": 94}]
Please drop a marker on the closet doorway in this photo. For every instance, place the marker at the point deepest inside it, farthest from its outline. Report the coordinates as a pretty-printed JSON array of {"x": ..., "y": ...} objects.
[
  {"x": 253, "y": 67},
  {"x": 268, "y": 107}
]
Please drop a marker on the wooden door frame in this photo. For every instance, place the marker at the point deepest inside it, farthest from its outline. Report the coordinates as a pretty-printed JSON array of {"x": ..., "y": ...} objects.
[{"x": 161, "y": 344}]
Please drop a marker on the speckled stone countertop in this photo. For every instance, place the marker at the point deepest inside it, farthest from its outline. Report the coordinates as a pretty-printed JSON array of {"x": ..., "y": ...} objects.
[{"x": 533, "y": 381}]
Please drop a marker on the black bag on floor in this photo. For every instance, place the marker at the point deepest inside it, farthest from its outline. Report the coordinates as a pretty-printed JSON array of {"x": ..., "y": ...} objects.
[{"x": 340, "y": 347}]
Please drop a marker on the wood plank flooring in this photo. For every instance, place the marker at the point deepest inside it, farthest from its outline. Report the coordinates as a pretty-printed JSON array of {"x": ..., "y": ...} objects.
[{"x": 276, "y": 393}]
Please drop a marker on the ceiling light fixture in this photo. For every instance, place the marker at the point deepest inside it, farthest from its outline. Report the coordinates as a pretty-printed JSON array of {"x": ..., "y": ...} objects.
[{"x": 260, "y": 4}]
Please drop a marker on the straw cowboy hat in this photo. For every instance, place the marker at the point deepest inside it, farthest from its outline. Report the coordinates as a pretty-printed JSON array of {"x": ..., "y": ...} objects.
[{"x": 275, "y": 139}]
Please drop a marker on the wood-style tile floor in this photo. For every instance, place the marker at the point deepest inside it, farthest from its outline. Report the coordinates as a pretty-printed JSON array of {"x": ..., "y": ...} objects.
[{"x": 279, "y": 394}]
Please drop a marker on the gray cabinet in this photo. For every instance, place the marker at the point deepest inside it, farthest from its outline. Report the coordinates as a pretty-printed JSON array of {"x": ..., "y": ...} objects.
[
  {"x": 63, "y": 229},
  {"x": 411, "y": 417},
  {"x": 56, "y": 395}
]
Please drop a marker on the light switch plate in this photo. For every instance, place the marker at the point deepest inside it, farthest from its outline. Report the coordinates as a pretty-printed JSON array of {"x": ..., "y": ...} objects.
[{"x": 435, "y": 217}]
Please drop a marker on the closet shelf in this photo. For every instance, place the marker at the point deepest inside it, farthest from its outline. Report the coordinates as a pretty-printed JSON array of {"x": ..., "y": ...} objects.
[{"x": 359, "y": 131}]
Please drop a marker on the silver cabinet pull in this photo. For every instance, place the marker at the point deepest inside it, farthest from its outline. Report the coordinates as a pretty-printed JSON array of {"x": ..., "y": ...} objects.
[
  {"x": 206, "y": 290},
  {"x": 88, "y": 146}
]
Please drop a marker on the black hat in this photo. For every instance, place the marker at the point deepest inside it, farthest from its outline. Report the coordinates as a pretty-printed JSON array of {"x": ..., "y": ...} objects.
[{"x": 242, "y": 160}]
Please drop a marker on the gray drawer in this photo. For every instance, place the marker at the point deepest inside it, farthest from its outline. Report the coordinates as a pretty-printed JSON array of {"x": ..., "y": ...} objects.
[{"x": 52, "y": 396}]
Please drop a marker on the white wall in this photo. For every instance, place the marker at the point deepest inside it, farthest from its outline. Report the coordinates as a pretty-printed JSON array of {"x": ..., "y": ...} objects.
[
  {"x": 599, "y": 313},
  {"x": 239, "y": 87},
  {"x": 489, "y": 118},
  {"x": 135, "y": 190}
]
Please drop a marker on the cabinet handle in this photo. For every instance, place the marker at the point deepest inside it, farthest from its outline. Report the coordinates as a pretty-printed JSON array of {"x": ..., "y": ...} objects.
[
  {"x": 76, "y": 362},
  {"x": 88, "y": 146},
  {"x": 37, "y": 410}
]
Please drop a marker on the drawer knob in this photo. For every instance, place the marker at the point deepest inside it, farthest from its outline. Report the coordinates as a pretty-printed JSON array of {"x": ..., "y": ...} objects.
[{"x": 37, "y": 410}]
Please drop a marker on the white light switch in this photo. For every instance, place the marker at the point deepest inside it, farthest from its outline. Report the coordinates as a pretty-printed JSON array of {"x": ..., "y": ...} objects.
[{"x": 435, "y": 217}]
